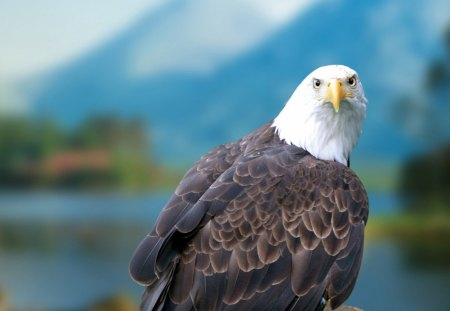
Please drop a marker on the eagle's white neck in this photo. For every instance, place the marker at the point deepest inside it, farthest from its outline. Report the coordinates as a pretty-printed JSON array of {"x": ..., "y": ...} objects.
[{"x": 317, "y": 128}]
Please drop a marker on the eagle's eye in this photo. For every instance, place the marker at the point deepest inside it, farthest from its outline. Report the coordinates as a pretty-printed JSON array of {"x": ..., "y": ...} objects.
[
  {"x": 351, "y": 81},
  {"x": 316, "y": 83}
]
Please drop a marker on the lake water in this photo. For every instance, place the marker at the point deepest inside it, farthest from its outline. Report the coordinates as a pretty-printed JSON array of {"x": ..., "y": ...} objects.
[{"x": 67, "y": 251}]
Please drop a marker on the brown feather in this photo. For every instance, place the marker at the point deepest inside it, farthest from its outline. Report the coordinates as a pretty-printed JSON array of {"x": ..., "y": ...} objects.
[
  {"x": 267, "y": 253},
  {"x": 255, "y": 224},
  {"x": 183, "y": 280}
]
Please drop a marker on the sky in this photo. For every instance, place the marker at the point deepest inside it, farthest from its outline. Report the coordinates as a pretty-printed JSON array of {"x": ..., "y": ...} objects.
[
  {"x": 42, "y": 34},
  {"x": 39, "y": 34},
  {"x": 234, "y": 27}
]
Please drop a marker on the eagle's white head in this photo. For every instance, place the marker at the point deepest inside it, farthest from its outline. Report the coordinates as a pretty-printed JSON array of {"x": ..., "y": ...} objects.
[{"x": 324, "y": 115}]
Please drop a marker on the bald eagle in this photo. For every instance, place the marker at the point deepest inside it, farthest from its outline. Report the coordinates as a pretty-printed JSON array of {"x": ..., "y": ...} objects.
[{"x": 273, "y": 221}]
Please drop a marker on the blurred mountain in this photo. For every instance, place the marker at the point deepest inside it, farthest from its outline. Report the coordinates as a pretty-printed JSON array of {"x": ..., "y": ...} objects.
[{"x": 191, "y": 111}]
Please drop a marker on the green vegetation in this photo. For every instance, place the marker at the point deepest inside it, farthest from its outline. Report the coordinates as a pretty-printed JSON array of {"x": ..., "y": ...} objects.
[
  {"x": 102, "y": 153},
  {"x": 423, "y": 239},
  {"x": 119, "y": 302},
  {"x": 408, "y": 226},
  {"x": 425, "y": 183}
]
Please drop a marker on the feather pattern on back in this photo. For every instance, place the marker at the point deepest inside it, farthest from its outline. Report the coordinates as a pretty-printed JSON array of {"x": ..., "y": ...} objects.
[{"x": 255, "y": 224}]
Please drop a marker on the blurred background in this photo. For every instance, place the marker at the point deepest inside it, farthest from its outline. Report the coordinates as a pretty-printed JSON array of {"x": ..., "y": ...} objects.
[{"x": 105, "y": 104}]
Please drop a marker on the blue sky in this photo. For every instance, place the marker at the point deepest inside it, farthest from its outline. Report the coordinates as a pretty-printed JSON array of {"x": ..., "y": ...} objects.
[{"x": 41, "y": 34}]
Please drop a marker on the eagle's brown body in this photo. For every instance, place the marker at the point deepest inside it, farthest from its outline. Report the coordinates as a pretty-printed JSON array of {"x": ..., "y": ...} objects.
[{"x": 255, "y": 225}]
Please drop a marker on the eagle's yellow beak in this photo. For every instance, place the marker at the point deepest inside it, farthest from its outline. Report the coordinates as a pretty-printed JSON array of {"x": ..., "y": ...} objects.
[{"x": 335, "y": 93}]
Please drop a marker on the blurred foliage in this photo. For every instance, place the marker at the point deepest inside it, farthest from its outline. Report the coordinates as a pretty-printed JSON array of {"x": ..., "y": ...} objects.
[
  {"x": 103, "y": 152},
  {"x": 4, "y": 301},
  {"x": 423, "y": 240},
  {"x": 425, "y": 183},
  {"x": 425, "y": 179},
  {"x": 118, "y": 302}
]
